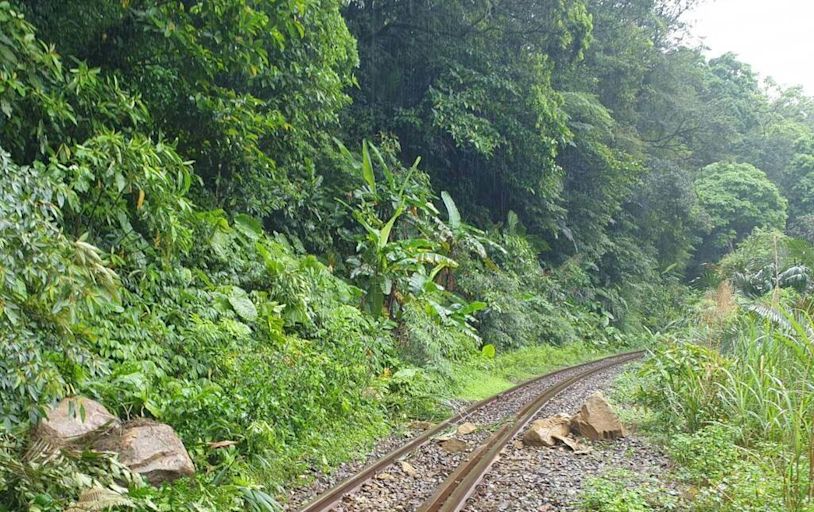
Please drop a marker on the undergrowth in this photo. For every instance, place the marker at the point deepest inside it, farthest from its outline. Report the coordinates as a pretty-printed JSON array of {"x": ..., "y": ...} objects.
[
  {"x": 622, "y": 491},
  {"x": 483, "y": 377},
  {"x": 730, "y": 395}
]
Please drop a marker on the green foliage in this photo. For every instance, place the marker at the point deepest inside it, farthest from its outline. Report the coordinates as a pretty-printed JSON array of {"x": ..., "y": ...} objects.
[
  {"x": 737, "y": 198},
  {"x": 622, "y": 490},
  {"x": 707, "y": 455},
  {"x": 684, "y": 381},
  {"x": 669, "y": 214},
  {"x": 598, "y": 179},
  {"x": 611, "y": 494},
  {"x": 748, "y": 413},
  {"x": 729, "y": 478},
  {"x": 767, "y": 260},
  {"x": 431, "y": 343},
  {"x": 520, "y": 310},
  {"x": 395, "y": 262},
  {"x": 801, "y": 175},
  {"x": 49, "y": 285},
  {"x": 45, "y": 481},
  {"x": 479, "y": 378},
  {"x": 224, "y": 355},
  {"x": 182, "y": 238},
  {"x": 251, "y": 90},
  {"x": 802, "y": 227},
  {"x": 130, "y": 192},
  {"x": 469, "y": 87}
]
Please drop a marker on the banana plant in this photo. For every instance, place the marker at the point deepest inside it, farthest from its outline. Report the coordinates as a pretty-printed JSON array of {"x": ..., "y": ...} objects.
[
  {"x": 445, "y": 306},
  {"x": 384, "y": 263},
  {"x": 456, "y": 235},
  {"x": 755, "y": 284}
]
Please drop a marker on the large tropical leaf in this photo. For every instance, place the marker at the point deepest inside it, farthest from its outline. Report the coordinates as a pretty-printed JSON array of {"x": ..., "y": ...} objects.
[
  {"x": 249, "y": 226},
  {"x": 367, "y": 168},
  {"x": 432, "y": 258},
  {"x": 384, "y": 233},
  {"x": 452, "y": 210},
  {"x": 242, "y": 304}
]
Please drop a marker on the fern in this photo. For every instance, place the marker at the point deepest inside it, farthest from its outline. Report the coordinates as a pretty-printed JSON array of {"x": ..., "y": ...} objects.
[
  {"x": 96, "y": 499},
  {"x": 788, "y": 322}
]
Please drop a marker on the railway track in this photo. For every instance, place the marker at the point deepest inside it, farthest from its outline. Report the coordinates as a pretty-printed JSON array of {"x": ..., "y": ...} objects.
[{"x": 449, "y": 479}]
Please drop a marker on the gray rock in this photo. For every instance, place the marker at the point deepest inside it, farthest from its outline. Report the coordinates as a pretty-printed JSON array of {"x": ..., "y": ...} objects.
[
  {"x": 151, "y": 449},
  {"x": 74, "y": 421}
]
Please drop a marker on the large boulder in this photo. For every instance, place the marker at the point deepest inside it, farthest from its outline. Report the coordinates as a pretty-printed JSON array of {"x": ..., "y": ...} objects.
[
  {"x": 74, "y": 421},
  {"x": 151, "y": 449},
  {"x": 546, "y": 431},
  {"x": 596, "y": 420}
]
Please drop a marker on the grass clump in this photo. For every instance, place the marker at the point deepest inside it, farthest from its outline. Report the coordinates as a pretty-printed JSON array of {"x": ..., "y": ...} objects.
[
  {"x": 725, "y": 476},
  {"x": 622, "y": 491},
  {"x": 733, "y": 400},
  {"x": 481, "y": 377}
]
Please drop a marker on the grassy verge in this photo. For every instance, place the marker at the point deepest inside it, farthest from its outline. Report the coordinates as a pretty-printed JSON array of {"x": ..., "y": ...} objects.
[
  {"x": 425, "y": 396},
  {"x": 480, "y": 378},
  {"x": 735, "y": 419}
]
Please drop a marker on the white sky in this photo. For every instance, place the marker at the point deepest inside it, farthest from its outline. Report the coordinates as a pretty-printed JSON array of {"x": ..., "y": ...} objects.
[{"x": 775, "y": 36}]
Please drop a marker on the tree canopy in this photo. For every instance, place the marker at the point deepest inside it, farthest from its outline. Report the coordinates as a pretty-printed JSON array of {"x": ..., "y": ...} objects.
[
  {"x": 257, "y": 220},
  {"x": 737, "y": 198}
]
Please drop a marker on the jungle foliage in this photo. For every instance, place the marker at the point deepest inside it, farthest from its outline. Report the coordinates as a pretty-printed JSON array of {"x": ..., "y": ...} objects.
[{"x": 269, "y": 222}]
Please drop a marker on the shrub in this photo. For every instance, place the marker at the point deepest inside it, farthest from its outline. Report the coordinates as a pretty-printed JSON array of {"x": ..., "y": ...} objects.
[
  {"x": 728, "y": 477},
  {"x": 760, "y": 383},
  {"x": 622, "y": 491}
]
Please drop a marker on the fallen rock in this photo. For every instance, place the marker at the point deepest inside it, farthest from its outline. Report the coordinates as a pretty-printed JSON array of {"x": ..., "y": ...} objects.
[
  {"x": 596, "y": 420},
  {"x": 453, "y": 445},
  {"x": 467, "y": 428},
  {"x": 421, "y": 425},
  {"x": 75, "y": 420},
  {"x": 385, "y": 476},
  {"x": 151, "y": 449},
  {"x": 576, "y": 447},
  {"x": 542, "y": 432},
  {"x": 408, "y": 469}
]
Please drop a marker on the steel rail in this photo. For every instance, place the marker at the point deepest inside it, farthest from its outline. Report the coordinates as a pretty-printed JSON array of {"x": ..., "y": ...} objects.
[
  {"x": 330, "y": 498},
  {"x": 453, "y": 493}
]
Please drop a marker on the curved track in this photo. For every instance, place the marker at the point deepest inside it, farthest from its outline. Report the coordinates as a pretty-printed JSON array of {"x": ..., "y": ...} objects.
[{"x": 455, "y": 482}]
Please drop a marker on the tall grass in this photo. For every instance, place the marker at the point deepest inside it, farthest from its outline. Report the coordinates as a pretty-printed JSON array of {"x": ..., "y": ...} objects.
[
  {"x": 770, "y": 391},
  {"x": 759, "y": 378}
]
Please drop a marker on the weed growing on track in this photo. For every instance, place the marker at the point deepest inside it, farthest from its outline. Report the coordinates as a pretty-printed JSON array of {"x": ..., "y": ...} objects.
[{"x": 622, "y": 491}]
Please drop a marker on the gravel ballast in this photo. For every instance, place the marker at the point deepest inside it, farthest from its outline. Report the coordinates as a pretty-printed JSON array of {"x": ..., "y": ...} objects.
[
  {"x": 518, "y": 481},
  {"x": 551, "y": 479}
]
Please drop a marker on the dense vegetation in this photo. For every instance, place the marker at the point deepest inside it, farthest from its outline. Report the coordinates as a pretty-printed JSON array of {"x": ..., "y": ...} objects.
[
  {"x": 284, "y": 223},
  {"x": 729, "y": 390}
]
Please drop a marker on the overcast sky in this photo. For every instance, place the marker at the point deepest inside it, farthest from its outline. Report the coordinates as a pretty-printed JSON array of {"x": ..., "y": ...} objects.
[{"x": 775, "y": 36}]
